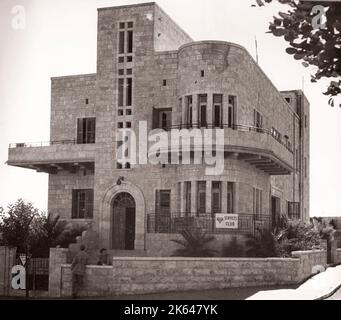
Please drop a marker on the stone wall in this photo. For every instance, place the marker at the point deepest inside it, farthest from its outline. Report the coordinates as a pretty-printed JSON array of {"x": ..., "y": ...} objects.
[
  {"x": 58, "y": 257},
  {"x": 151, "y": 275}
]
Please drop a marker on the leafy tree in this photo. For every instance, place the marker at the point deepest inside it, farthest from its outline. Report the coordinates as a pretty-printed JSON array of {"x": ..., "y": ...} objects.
[
  {"x": 194, "y": 244},
  {"x": 318, "y": 47},
  {"x": 16, "y": 224}
]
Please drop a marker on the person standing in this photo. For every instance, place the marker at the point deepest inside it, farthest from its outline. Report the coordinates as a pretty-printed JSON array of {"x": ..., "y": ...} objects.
[{"x": 78, "y": 270}]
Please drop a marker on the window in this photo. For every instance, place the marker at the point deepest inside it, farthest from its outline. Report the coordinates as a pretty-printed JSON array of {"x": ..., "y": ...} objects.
[
  {"x": 203, "y": 110},
  {"x": 188, "y": 198},
  {"x": 121, "y": 42},
  {"x": 201, "y": 197},
  {"x": 120, "y": 59},
  {"x": 257, "y": 201},
  {"x": 202, "y": 73},
  {"x": 120, "y": 125},
  {"x": 129, "y": 59},
  {"x": 162, "y": 210},
  {"x": 130, "y": 24},
  {"x": 121, "y": 72},
  {"x": 128, "y": 125},
  {"x": 120, "y": 112},
  {"x": 231, "y": 112},
  {"x": 129, "y": 71},
  {"x": 288, "y": 100},
  {"x": 82, "y": 204},
  {"x": 162, "y": 118},
  {"x": 120, "y": 92},
  {"x": 86, "y": 101},
  {"x": 129, "y": 91},
  {"x": 164, "y": 83},
  {"x": 86, "y": 130},
  {"x": 294, "y": 210},
  {"x": 230, "y": 197},
  {"x": 216, "y": 197},
  {"x": 129, "y": 112},
  {"x": 217, "y": 110},
  {"x": 122, "y": 25},
  {"x": 189, "y": 110},
  {"x": 130, "y": 42},
  {"x": 257, "y": 121}
]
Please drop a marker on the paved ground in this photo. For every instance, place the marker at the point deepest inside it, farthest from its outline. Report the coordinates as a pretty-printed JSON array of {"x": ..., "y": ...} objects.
[{"x": 336, "y": 296}]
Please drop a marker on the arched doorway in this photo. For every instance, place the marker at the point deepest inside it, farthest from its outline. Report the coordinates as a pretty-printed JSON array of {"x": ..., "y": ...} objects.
[{"x": 123, "y": 222}]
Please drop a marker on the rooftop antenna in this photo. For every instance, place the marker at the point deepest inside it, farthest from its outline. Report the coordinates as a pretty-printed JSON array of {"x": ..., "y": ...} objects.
[{"x": 256, "y": 43}]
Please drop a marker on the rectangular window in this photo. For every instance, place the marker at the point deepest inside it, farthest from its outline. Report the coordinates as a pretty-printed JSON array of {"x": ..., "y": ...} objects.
[
  {"x": 129, "y": 59},
  {"x": 231, "y": 112},
  {"x": 203, "y": 110},
  {"x": 86, "y": 130},
  {"x": 230, "y": 197},
  {"x": 188, "y": 198},
  {"x": 162, "y": 210},
  {"x": 189, "y": 110},
  {"x": 130, "y": 24},
  {"x": 201, "y": 197},
  {"x": 121, "y": 72},
  {"x": 121, "y": 42},
  {"x": 162, "y": 118},
  {"x": 130, "y": 42},
  {"x": 122, "y": 25},
  {"x": 258, "y": 121},
  {"x": 216, "y": 197},
  {"x": 257, "y": 201},
  {"x": 217, "y": 110},
  {"x": 82, "y": 204},
  {"x": 120, "y": 92},
  {"x": 129, "y": 88},
  {"x": 294, "y": 210}
]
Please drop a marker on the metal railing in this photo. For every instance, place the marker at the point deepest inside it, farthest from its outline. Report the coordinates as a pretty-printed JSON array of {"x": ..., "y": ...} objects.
[
  {"x": 41, "y": 144},
  {"x": 175, "y": 223},
  {"x": 238, "y": 127}
]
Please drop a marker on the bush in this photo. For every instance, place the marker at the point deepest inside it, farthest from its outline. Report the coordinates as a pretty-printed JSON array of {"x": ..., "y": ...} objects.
[
  {"x": 233, "y": 249},
  {"x": 262, "y": 245},
  {"x": 194, "y": 244}
]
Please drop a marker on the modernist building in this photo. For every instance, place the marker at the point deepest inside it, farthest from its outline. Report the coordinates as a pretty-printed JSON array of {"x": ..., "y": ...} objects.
[{"x": 149, "y": 69}]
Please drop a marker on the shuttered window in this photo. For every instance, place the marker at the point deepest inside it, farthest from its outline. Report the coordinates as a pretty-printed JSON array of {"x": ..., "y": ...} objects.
[{"x": 82, "y": 204}]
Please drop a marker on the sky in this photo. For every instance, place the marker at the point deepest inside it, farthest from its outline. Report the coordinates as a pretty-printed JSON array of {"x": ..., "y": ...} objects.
[{"x": 59, "y": 38}]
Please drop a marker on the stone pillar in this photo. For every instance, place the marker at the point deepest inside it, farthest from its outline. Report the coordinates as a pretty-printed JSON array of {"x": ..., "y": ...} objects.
[
  {"x": 195, "y": 115},
  {"x": 182, "y": 199},
  {"x": 58, "y": 257},
  {"x": 7, "y": 261},
  {"x": 208, "y": 198},
  {"x": 210, "y": 109},
  {"x": 224, "y": 197},
  {"x": 194, "y": 200}
]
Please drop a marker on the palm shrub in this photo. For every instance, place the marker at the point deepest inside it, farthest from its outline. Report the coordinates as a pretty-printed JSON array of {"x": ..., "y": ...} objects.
[
  {"x": 263, "y": 244},
  {"x": 233, "y": 249},
  {"x": 194, "y": 244}
]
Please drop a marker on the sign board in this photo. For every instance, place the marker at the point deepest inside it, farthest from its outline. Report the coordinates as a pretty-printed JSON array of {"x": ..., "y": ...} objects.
[{"x": 226, "y": 221}]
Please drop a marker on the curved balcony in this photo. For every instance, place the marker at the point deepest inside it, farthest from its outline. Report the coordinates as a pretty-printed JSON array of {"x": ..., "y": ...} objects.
[
  {"x": 259, "y": 147},
  {"x": 53, "y": 156}
]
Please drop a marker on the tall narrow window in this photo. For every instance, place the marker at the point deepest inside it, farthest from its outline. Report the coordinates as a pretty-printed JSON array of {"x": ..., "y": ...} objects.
[
  {"x": 257, "y": 201},
  {"x": 216, "y": 197},
  {"x": 86, "y": 130},
  {"x": 130, "y": 42},
  {"x": 257, "y": 121},
  {"x": 230, "y": 197},
  {"x": 162, "y": 210},
  {"x": 189, "y": 110},
  {"x": 203, "y": 110},
  {"x": 231, "y": 112},
  {"x": 120, "y": 92},
  {"x": 129, "y": 97},
  {"x": 294, "y": 210},
  {"x": 217, "y": 110},
  {"x": 188, "y": 198},
  {"x": 121, "y": 42},
  {"x": 201, "y": 197},
  {"x": 82, "y": 204}
]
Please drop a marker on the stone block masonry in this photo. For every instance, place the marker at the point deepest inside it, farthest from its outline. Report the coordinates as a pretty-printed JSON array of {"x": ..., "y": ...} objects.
[{"x": 130, "y": 276}]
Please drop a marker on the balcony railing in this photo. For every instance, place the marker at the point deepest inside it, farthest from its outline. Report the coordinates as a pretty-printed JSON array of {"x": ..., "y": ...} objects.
[
  {"x": 238, "y": 127},
  {"x": 174, "y": 223},
  {"x": 45, "y": 144}
]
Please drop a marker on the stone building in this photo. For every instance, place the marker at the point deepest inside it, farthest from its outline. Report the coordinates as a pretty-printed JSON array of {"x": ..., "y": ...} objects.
[{"x": 150, "y": 71}]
